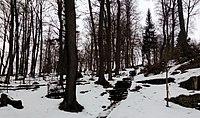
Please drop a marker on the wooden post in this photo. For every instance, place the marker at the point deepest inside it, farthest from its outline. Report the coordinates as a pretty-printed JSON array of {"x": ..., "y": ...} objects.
[
  {"x": 195, "y": 83},
  {"x": 167, "y": 87},
  {"x": 7, "y": 87},
  {"x": 48, "y": 85}
]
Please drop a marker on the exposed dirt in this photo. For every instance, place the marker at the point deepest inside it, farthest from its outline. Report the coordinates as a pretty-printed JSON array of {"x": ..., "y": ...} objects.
[
  {"x": 190, "y": 101},
  {"x": 136, "y": 89},
  {"x": 191, "y": 84},
  {"x": 55, "y": 95},
  {"x": 157, "y": 81},
  {"x": 117, "y": 94}
]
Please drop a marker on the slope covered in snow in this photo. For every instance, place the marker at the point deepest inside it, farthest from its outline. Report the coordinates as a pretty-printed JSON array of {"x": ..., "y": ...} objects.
[{"x": 147, "y": 102}]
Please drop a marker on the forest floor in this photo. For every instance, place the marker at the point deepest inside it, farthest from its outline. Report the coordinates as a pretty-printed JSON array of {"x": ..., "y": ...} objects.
[{"x": 147, "y": 102}]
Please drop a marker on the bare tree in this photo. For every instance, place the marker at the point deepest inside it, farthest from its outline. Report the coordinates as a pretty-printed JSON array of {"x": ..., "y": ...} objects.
[
  {"x": 11, "y": 35},
  {"x": 118, "y": 41},
  {"x": 173, "y": 26},
  {"x": 168, "y": 17},
  {"x": 70, "y": 103},
  {"x": 101, "y": 80},
  {"x": 93, "y": 34},
  {"x": 5, "y": 20},
  {"x": 61, "y": 54},
  {"x": 35, "y": 36},
  {"x": 165, "y": 27},
  {"x": 41, "y": 37},
  {"x": 108, "y": 40},
  {"x": 16, "y": 39},
  {"x": 191, "y": 11},
  {"x": 182, "y": 39}
]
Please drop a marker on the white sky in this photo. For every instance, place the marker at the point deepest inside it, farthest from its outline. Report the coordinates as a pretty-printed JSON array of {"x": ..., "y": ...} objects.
[{"x": 143, "y": 6}]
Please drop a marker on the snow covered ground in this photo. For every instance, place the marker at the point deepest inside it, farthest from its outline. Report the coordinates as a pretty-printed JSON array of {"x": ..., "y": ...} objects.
[{"x": 148, "y": 102}]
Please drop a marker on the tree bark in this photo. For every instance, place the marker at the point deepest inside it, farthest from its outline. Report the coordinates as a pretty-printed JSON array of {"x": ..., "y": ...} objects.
[
  {"x": 4, "y": 45},
  {"x": 41, "y": 39},
  {"x": 173, "y": 27},
  {"x": 188, "y": 17},
  {"x": 23, "y": 49},
  {"x": 11, "y": 35},
  {"x": 118, "y": 41},
  {"x": 108, "y": 33},
  {"x": 182, "y": 35},
  {"x": 102, "y": 81},
  {"x": 94, "y": 34},
  {"x": 16, "y": 39},
  {"x": 27, "y": 40},
  {"x": 128, "y": 34},
  {"x": 163, "y": 30},
  {"x": 61, "y": 55},
  {"x": 70, "y": 103},
  {"x": 34, "y": 40}
]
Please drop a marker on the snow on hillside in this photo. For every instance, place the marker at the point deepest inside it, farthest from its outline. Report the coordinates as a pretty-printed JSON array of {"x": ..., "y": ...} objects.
[{"x": 148, "y": 102}]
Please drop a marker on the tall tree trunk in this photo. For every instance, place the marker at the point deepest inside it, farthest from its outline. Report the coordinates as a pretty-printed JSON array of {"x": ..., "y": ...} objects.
[
  {"x": 7, "y": 80},
  {"x": 163, "y": 30},
  {"x": 108, "y": 33},
  {"x": 16, "y": 39},
  {"x": 127, "y": 52},
  {"x": 70, "y": 103},
  {"x": 41, "y": 39},
  {"x": 113, "y": 42},
  {"x": 132, "y": 57},
  {"x": 188, "y": 17},
  {"x": 128, "y": 34},
  {"x": 118, "y": 41},
  {"x": 27, "y": 48},
  {"x": 173, "y": 27},
  {"x": 4, "y": 45},
  {"x": 34, "y": 39},
  {"x": 49, "y": 57},
  {"x": 23, "y": 50},
  {"x": 94, "y": 34},
  {"x": 182, "y": 35},
  {"x": 91, "y": 65},
  {"x": 26, "y": 38},
  {"x": 61, "y": 55},
  {"x": 37, "y": 50},
  {"x": 5, "y": 66},
  {"x": 102, "y": 81}
]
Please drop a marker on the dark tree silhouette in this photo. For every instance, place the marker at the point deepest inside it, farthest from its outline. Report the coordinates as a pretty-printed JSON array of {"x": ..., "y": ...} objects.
[
  {"x": 10, "y": 55},
  {"x": 182, "y": 38},
  {"x": 94, "y": 34},
  {"x": 149, "y": 42},
  {"x": 118, "y": 41},
  {"x": 61, "y": 54},
  {"x": 101, "y": 80},
  {"x": 70, "y": 103},
  {"x": 108, "y": 39}
]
